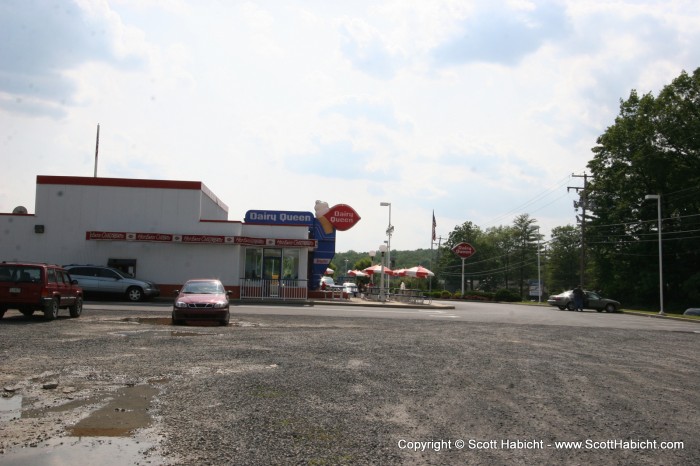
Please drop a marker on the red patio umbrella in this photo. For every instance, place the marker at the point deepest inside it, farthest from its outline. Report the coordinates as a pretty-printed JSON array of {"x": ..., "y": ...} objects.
[
  {"x": 329, "y": 271},
  {"x": 356, "y": 273},
  {"x": 419, "y": 272},
  {"x": 399, "y": 273},
  {"x": 377, "y": 269}
]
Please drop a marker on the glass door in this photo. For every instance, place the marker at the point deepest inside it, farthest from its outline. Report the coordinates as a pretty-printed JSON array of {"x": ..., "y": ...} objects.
[{"x": 272, "y": 268}]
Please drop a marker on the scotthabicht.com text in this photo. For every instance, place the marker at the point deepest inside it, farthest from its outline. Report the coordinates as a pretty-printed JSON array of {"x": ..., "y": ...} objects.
[{"x": 525, "y": 444}]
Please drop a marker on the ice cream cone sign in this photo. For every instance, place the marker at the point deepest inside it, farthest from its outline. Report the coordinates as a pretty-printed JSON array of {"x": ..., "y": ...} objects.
[{"x": 341, "y": 216}]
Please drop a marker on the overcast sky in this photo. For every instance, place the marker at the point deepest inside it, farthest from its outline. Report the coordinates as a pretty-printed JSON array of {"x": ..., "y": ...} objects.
[{"x": 478, "y": 110}]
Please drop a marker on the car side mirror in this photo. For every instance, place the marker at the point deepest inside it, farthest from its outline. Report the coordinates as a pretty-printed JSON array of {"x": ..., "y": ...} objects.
[
  {"x": 228, "y": 293},
  {"x": 74, "y": 282},
  {"x": 176, "y": 292}
]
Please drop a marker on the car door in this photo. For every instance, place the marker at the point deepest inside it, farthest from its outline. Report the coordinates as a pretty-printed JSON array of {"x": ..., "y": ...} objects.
[
  {"x": 67, "y": 290},
  {"x": 110, "y": 282},
  {"x": 593, "y": 300},
  {"x": 87, "y": 278}
]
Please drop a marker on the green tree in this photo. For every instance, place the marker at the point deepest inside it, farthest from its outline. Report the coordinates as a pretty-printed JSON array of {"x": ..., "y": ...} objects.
[
  {"x": 562, "y": 269},
  {"x": 652, "y": 148},
  {"x": 526, "y": 235}
]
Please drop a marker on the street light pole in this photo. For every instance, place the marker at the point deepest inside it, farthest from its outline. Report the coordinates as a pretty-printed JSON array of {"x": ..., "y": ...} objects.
[
  {"x": 661, "y": 261},
  {"x": 382, "y": 292},
  {"x": 389, "y": 231},
  {"x": 539, "y": 273}
]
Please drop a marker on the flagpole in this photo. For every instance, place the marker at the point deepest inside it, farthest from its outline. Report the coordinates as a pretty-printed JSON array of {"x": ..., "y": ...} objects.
[{"x": 432, "y": 240}]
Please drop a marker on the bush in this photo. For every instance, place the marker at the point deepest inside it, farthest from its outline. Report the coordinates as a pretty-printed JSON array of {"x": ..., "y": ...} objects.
[
  {"x": 457, "y": 295},
  {"x": 444, "y": 294},
  {"x": 507, "y": 296}
]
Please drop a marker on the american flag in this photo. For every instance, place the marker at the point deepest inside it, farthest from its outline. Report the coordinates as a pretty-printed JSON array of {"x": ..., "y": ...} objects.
[{"x": 434, "y": 225}]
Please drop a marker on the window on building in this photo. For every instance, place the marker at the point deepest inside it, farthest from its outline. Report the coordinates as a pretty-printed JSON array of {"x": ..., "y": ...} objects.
[
  {"x": 253, "y": 263},
  {"x": 290, "y": 264}
]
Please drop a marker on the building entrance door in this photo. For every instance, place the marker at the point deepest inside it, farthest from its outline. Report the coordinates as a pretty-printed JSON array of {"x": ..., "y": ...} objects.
[{"x": 272, "y": 267}]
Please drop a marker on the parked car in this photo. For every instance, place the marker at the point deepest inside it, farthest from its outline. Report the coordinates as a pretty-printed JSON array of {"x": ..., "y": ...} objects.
[
  {"x": 351, "y": 289},
  {"x": 201, "y": 300},
  {"x": 592, "y": 300},
  {"x": 30, "y": 287},
  {"x": 328, "y": 281},
  {"x": 97, "y": 279}
]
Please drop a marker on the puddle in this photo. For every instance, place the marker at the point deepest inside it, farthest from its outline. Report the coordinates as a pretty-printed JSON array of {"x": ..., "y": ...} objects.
[
  {"x": 10, "y": 408},
  {"x": 125, "y": 413},
  {"x": 105, "y": 451},
  {"x": 110, "y": 435}
]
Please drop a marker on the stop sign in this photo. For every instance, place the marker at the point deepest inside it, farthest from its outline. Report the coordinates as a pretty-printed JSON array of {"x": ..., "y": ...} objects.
[{"x": 464, "y": 250}]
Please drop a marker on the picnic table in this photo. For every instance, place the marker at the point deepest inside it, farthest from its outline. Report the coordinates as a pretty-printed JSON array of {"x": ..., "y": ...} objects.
[
  {"x": 333, "y": 292},
  {"x": 410, "y": 296}
]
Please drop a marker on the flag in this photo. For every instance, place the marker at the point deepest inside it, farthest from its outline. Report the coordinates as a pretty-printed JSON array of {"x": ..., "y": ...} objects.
[{"x": 434, "y": 225}]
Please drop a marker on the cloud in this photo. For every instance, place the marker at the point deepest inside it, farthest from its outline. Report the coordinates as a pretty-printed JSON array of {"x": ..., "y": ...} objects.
[
  {"x": 367, "y": 50},
  {"x": 39, "y": 42},
  {"x": 502, "y": 35},
  {"x": 356, "y": 108}
]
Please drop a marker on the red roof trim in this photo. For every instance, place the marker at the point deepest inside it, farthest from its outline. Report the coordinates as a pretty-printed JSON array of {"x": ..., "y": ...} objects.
[{"x": 121, "y": 182}]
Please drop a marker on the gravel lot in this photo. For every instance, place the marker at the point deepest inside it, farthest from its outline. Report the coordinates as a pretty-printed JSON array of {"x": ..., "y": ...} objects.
[{"x": 323, "y": 390}]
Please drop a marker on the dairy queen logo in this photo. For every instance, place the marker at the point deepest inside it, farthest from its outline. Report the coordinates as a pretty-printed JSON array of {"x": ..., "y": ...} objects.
[{"x": 342, "y": 217}]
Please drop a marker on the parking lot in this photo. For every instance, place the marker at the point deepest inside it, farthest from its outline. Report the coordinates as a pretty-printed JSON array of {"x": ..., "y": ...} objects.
[{"x": 488, "y": 384}]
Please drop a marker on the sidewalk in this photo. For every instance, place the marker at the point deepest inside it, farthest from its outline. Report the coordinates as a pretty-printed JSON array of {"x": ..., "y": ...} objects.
[{"x": 369, "y": 303}]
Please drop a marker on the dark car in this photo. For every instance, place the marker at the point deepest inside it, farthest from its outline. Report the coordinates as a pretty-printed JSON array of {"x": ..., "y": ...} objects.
[
  {"x": 201, "y": 300},
  {"x": 97, "y": 279},
  {"x": 591, "y": 300},
  {"x": 30, "y": 287}
]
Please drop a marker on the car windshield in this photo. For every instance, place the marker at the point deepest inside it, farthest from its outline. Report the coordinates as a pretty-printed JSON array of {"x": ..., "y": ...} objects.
[{"x": 203, "y": 288}]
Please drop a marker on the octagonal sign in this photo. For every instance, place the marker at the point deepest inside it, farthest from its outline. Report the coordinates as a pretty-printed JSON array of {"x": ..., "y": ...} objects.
[{"x": 464, "y": 250}]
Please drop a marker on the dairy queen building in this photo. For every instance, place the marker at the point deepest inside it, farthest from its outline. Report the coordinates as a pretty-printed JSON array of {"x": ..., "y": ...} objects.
[{"x": 171, "y": 231}]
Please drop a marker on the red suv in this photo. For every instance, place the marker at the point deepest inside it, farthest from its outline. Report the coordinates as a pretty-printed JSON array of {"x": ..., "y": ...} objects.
[{"x": 30, "y": 287}]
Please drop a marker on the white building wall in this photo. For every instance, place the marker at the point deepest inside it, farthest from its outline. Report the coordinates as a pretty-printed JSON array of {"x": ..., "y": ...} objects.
[{"x": 67, "y": 211}]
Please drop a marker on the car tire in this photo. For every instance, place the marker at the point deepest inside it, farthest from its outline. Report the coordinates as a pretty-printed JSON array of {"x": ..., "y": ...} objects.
[
  {"x": 571, "y": 306},
  {"x": 134, "y": 294},
  {"x": 562, "y": 308},
  {"x": 77, "y": 308},
  {"x": 51, "y": 309},
  {"x": 610, "y": 307},
  {"x": 225, "y": 322}
]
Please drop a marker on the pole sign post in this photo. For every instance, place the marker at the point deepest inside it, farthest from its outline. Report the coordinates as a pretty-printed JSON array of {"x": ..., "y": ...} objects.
[{"x": 465, "y": 251}]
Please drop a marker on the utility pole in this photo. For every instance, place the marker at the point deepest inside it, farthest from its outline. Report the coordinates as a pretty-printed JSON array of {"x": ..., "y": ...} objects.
[
  {"x": 97, "y": 148},
  {"x": 583, "y": 204}
]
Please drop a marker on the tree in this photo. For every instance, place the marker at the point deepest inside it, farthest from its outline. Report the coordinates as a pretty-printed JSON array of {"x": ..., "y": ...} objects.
[
  {"x": 563, "y": 258},
  {"x": 652, "y": 148},
  {"x": 526, "y": 235}
]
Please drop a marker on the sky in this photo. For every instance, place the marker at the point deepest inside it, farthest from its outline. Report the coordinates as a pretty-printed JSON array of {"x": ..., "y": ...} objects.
[{"x": 474, "y": 110}]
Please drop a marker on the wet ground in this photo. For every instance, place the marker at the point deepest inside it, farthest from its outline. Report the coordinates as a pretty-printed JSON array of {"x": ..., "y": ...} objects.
[
  {"x": 114, "y": 429},
  {"x": 121, "y": 388}
]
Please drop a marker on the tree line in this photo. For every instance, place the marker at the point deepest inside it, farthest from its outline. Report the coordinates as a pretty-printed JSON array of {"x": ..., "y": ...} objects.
[{"x": 652, "y": 148}]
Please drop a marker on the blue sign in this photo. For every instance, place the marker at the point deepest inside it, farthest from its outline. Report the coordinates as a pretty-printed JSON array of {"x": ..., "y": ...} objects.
[{"x": 277, "y": 217}]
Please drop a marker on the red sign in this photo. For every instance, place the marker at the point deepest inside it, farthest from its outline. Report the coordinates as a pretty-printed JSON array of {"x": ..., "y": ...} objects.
[
  {"x": 464, "y": 250},
  {"x": 105, "y": 235},
  {"x": 342, "y": 217},
  {"x": 199, "y": 239}
]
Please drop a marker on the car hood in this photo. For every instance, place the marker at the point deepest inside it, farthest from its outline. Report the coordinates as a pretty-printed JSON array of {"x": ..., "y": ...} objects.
[{"x": 201, "y": 298}]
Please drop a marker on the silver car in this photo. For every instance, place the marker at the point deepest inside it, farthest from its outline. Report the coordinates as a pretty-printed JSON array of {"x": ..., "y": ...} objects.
[
  {"x": 96, "y": 279},
  {"x": 591, "y": 300}
]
